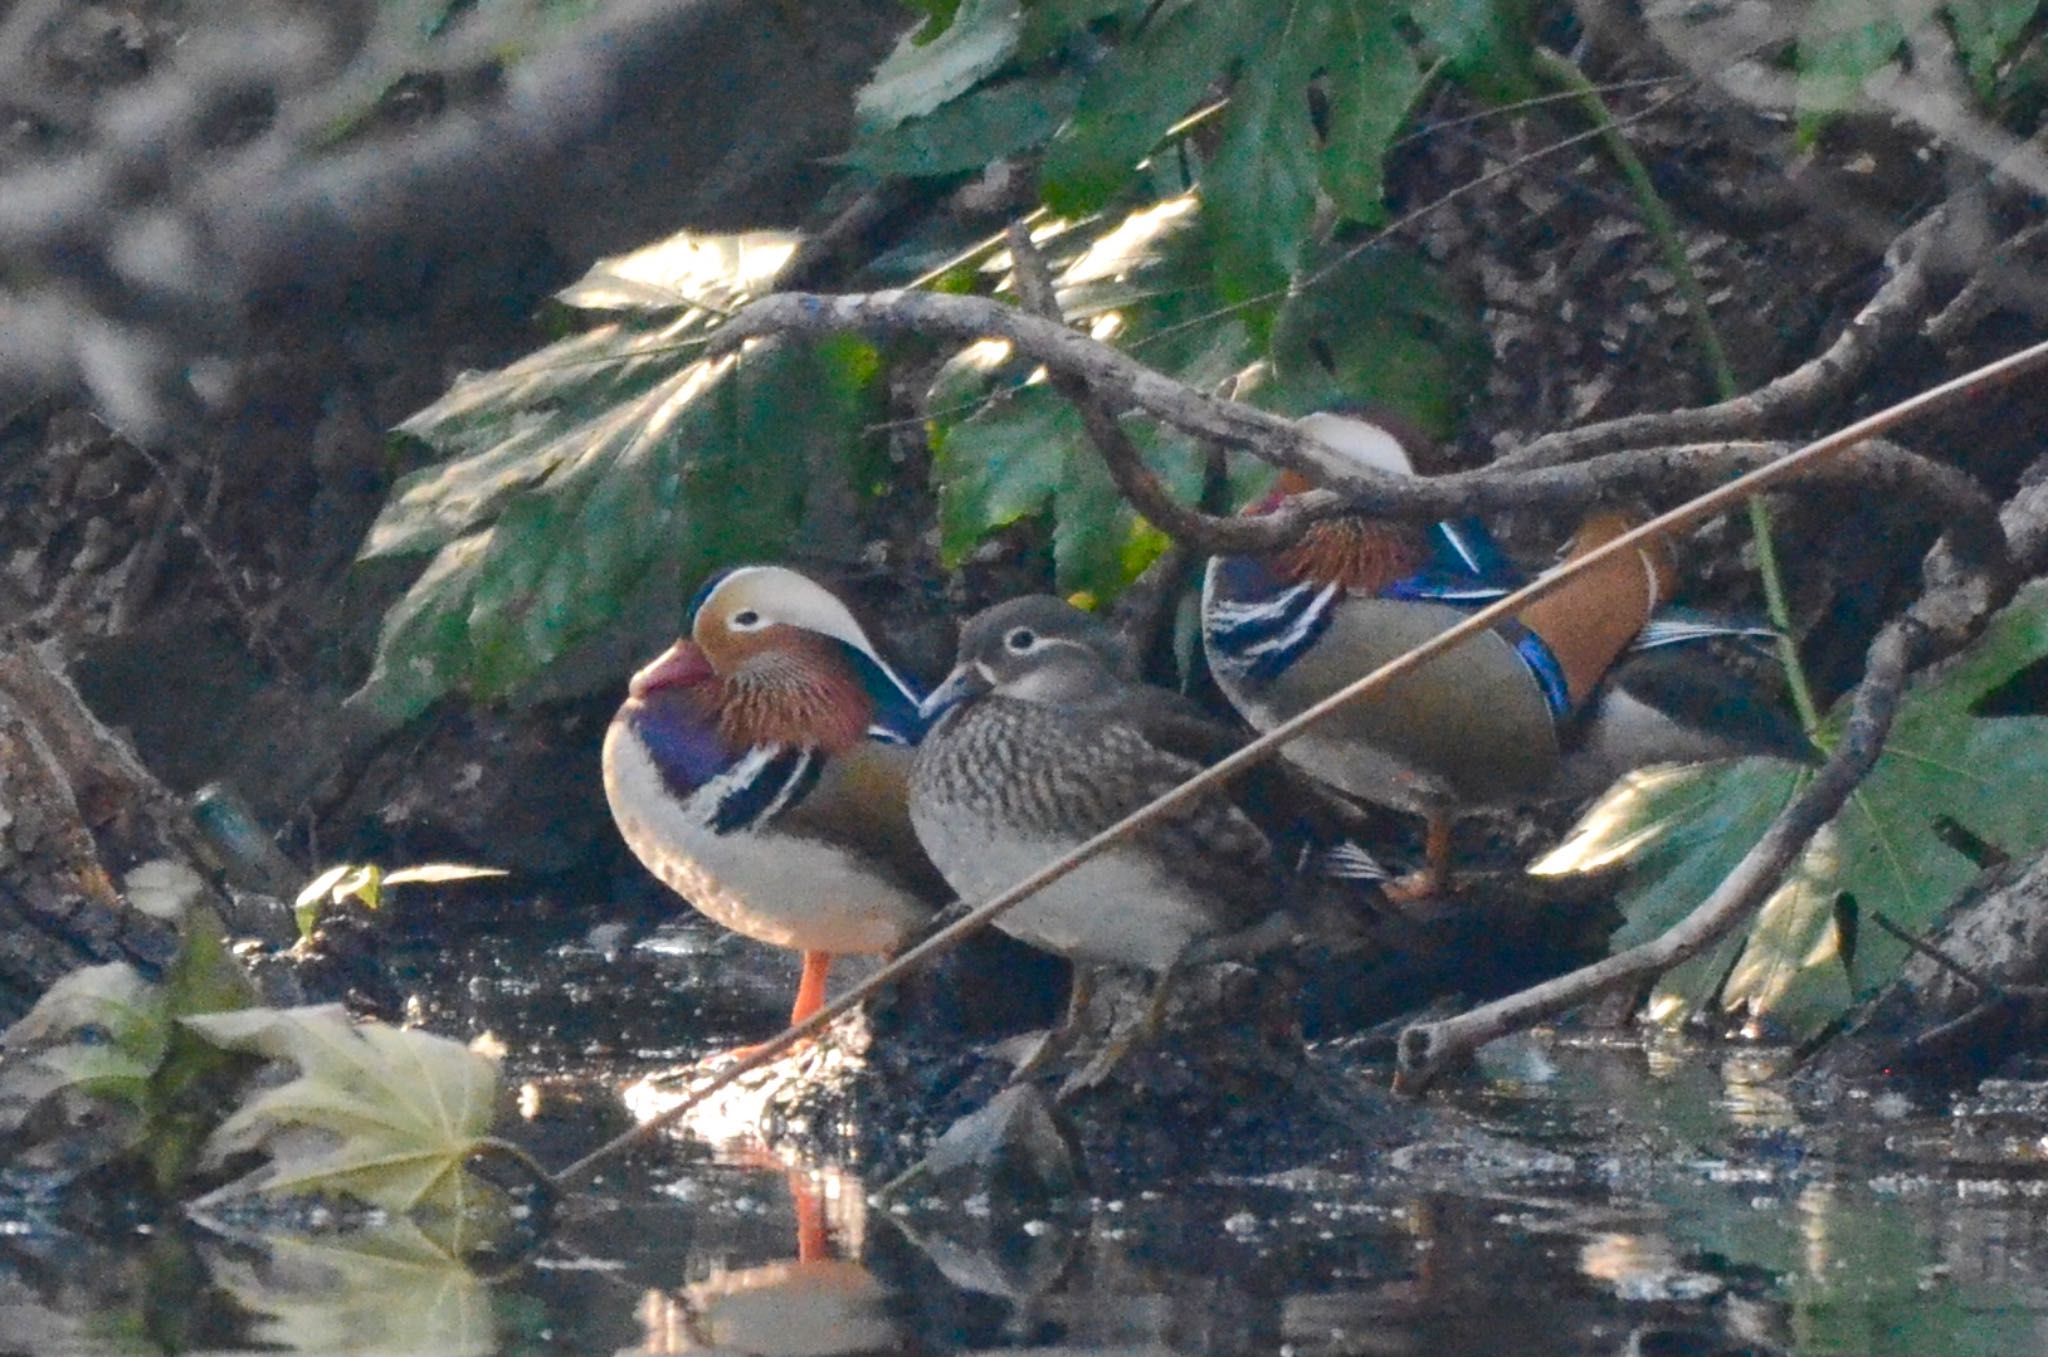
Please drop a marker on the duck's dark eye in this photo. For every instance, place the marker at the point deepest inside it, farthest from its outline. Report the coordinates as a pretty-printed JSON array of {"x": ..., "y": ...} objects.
[
  {"x": 1021, "y": 640},
  {"x": 746, "y": 617}
]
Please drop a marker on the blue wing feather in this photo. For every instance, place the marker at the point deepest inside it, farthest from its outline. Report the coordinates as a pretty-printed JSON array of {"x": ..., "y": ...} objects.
[
  {"x": 1685, "y": 626},
  {"x": 750, "y": 787},
  {"x": 1261, "y": 625}
]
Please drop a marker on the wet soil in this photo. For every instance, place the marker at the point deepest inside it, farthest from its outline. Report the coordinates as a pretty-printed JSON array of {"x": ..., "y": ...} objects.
[{"x": 1575, "y": 1194}]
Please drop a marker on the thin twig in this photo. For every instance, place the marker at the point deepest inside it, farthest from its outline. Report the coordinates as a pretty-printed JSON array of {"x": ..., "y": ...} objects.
[
  {"x": 1891, "y": 652},
  {"x": 1940, "y": 1039},
  {"x": 255, "y": 632},
  {"x": 1778, "y": 607},
  {"x": 1316, "y": 277},
  {"x": 1139, "y": 485},
  {"x": 1143, "y": 606},
  {"x": 1988, "y": 988}
]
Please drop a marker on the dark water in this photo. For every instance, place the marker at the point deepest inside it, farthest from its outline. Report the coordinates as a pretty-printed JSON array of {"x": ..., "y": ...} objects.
[{"x": 1576, "y": 1196}]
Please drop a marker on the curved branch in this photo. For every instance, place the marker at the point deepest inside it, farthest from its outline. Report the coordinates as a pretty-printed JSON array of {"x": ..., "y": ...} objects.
[
  {"x": 1111, "y": 373},
  {"x": 1117, "y": 382},
  {"x": 1893, "y": 313},
  {"x": 2003, "y": 279},
  {"x": 1210, "y": 534},
  {"x": 1427, "y": 1049}
]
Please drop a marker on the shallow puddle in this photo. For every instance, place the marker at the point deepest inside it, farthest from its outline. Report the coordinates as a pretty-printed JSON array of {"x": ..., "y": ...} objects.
[{"x": 1583, "y": 1196}]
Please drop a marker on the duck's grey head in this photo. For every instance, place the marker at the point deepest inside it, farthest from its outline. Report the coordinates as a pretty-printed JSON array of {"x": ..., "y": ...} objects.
[{"x": 1036, "y": 649}]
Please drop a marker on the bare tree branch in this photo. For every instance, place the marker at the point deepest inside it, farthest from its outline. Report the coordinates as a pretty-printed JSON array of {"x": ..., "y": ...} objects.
[
  {"x": 1209, "y": 534},
  {"x": 1427, "y": 1049},
  {"x": 1118, "y": 382},
  {"x": 1890, "y": 316},
  {"x": 2002, "y": 279}
]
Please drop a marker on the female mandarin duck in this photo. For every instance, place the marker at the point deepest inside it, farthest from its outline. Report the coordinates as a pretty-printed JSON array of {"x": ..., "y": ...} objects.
[
  {"x": 1038, "y": 743},
  {"x": 760, "y": 769},
  {"x": 1580, "y": 688}
]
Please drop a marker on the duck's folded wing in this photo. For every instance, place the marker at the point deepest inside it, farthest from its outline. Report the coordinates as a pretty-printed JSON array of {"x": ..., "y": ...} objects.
[
  {"x": 1288, "y": 805},
  {"x": 858, "y": 801}
]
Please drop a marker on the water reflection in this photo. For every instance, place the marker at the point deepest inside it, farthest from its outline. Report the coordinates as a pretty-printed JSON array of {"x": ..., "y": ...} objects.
[
  {"x": 385, "y": 1289},
  {"x": 809, "y": 1305},
  {"x": 1752, "y": 1098},
  {"x": 1591, "y": 1198},
  {"x": 815, "y": 1299}
]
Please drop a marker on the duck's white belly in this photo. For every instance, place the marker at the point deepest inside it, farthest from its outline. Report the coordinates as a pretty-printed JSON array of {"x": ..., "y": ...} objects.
[
  {"x": 780, "y": 889},
  {"x": 1116, "y": 909}
]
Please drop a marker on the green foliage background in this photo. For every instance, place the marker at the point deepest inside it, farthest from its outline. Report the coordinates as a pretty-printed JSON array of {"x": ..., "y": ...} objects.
[
  {"x": 571, "y": 479},
  {"x": 1208, "y": 174}
]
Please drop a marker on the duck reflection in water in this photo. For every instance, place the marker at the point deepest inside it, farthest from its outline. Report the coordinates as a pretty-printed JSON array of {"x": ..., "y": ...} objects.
[{"x": 812, "y": 1305}]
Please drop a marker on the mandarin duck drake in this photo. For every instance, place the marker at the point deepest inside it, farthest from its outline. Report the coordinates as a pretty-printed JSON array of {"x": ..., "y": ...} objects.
[
  {"x": 1038, "y": 743},
  {"x": 760, "y": 768},
  {"x": 1582, "y": 686}
]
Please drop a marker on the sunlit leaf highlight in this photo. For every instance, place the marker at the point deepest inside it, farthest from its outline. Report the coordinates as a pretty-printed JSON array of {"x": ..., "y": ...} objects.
[
  {"x": 1683, "y": 830},
  {"x": 387, "y": 1115}
]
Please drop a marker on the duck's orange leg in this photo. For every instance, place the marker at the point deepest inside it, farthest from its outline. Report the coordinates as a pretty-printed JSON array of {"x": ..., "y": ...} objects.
[
  {"x": 813, "y": 1233},
  {"x": 1436, "y": 865},
  {"x": 810, "y": 997},
  {"x": 810, "y": 991}
]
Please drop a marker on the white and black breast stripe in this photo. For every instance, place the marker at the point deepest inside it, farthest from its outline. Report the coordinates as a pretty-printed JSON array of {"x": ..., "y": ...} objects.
[
  {"x": 1265, "y": 636},
  {"x": 766, "y": 781}
]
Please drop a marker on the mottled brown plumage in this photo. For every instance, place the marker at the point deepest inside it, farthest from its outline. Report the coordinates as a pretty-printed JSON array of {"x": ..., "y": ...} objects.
[
  {"x": 1061, "y": 775},
  {"x": 1043, "y": 745}
]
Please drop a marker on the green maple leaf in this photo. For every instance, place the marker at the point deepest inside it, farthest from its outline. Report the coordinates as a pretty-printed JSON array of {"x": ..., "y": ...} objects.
[
  {"x": 1954, "y": 757},
  {"x": 387, "y": 1115},
  {"x": 392, "y": 1288},
  {"x": 580, "y": 481}
]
